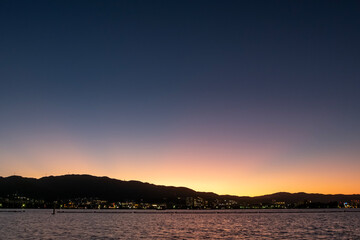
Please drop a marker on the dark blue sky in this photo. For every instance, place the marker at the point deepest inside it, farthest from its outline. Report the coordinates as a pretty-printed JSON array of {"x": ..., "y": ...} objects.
[{"x": 162, "y": 70}]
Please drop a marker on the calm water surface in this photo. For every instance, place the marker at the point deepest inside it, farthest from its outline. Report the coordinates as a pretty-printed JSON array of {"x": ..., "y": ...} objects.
[{"x": 202, "y": 224}]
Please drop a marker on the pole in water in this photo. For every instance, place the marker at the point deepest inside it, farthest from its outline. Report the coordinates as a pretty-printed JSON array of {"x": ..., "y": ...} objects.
[{"x": 53, "y": 209}]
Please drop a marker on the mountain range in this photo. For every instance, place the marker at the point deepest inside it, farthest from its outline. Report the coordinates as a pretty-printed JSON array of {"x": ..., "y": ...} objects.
[{"x": 86, "y": 186}]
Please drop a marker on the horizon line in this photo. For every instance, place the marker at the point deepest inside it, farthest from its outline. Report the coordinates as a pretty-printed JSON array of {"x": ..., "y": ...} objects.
[{"x": 85, "y": 174}]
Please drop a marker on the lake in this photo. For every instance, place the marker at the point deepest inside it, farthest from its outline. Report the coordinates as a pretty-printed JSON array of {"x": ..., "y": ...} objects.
[{"x": 181, "y": 224}]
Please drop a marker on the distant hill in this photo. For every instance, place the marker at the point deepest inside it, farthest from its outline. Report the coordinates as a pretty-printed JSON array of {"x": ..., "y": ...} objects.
[
  {"x": 80, "y": 186},
  {"x": 300, "y": 197}
]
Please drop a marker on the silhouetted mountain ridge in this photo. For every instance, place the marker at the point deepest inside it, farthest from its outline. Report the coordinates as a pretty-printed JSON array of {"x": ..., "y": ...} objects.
[{"x": 81, "y": 186}]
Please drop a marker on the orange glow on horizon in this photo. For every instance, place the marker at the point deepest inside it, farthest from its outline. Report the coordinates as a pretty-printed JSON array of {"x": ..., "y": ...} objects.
[{"x": 242, "y": 172}]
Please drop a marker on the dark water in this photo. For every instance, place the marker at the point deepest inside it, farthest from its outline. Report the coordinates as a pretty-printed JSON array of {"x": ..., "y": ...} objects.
[{"x": 202, "y": 224}]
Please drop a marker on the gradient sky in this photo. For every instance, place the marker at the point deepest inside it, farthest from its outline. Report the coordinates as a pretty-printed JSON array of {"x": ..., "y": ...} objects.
[{"x": 233, "y": 97}]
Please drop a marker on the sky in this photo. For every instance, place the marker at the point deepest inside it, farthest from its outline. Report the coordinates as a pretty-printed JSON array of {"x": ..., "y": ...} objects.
[{"x": 232, "y": 97}]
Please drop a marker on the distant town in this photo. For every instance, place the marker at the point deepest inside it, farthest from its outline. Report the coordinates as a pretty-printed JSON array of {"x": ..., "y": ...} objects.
[
  {"x": 16, "y": 201},
  {"x": 91, "y": 192}
]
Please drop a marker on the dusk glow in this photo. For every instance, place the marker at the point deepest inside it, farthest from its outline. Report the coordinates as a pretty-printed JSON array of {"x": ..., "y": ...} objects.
[{"x": 244, "y": 97}]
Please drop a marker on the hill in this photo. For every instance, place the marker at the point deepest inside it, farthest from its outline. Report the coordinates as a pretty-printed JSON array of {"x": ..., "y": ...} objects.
[
  {"x": 79, "y": 186},
  {"x": 55, "y": 188}
]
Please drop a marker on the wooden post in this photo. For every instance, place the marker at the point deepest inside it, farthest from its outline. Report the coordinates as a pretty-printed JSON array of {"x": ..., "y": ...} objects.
[{"x": 54, "y": 209}]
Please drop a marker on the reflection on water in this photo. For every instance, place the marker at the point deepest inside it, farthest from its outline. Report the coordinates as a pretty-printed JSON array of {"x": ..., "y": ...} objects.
[{"x": 264, "y": 224}]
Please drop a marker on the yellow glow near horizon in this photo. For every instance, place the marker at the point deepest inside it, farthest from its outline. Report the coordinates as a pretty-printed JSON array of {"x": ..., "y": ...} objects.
[{"x": 242, "y": 172}]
